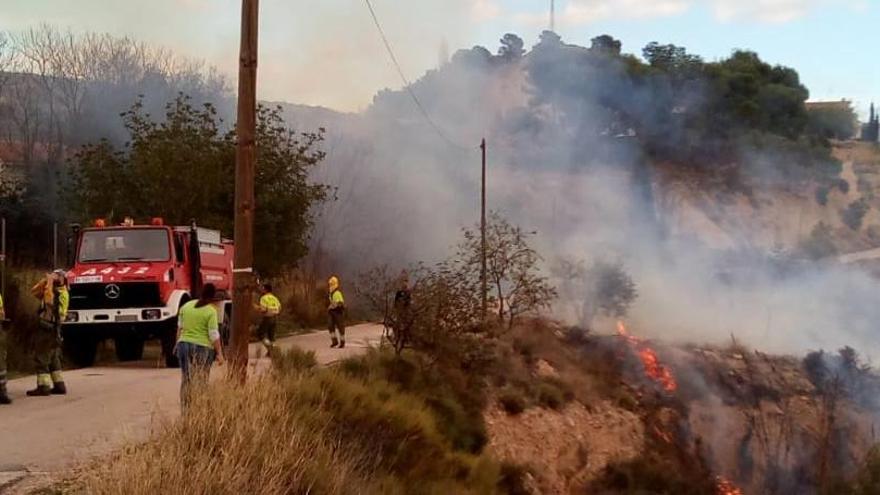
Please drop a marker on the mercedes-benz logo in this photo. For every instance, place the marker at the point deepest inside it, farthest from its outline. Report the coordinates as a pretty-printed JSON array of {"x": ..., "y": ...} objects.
[{"x": 112, "y": 291}]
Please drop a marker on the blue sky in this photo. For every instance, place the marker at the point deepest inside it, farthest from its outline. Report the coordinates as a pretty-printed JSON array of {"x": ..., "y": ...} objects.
[{"x": 327, "y": 52}]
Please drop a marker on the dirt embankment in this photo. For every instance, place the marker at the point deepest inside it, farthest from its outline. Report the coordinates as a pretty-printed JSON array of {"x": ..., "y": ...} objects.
[
  {"x": 768, "y": 424},
  {"x": 726, "y": 213}
]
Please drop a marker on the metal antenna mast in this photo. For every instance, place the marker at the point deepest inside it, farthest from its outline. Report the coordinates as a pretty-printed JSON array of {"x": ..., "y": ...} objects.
[{"x": 553, "y": 16}]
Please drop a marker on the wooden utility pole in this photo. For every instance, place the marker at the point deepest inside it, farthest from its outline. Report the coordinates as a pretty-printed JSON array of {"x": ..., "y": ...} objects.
[
  {"x": 484, "y": 289},
  {"x": 3, "y": 256},
  {"x": 55, "y": 245},
  {"x": 245, "y": 158}
]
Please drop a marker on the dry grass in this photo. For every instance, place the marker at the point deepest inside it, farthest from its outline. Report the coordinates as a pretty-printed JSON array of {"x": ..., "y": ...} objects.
[{"x": 298, "y": 430}]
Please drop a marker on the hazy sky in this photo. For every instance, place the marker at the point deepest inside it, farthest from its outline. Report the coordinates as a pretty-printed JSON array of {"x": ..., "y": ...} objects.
[{"x": 327, "y": 52}]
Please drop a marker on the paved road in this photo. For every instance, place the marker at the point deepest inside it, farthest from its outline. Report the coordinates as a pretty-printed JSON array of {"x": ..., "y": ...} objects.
[{"x": 107, "y": 407}]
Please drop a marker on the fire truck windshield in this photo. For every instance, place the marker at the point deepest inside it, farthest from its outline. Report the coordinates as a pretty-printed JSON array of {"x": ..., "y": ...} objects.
[{"x": 111, "y": 245}]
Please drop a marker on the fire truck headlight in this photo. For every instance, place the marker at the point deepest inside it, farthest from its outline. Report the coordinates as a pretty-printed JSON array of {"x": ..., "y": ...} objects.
[
  {"x": 72, "y": 317},
  {"x": 151, "y": 314}
]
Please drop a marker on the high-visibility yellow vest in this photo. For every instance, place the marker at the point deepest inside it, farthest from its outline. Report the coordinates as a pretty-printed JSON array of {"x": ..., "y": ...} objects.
[
  {"x": 336, "y": 299},
  {"x": 270, "y": 305}
]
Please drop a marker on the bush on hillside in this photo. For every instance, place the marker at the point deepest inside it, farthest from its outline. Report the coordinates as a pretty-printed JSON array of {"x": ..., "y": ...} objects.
[
  {"x": 455, "y": 396},
  {"x": 820, "y": 244},
  {"x": 512, "y": 401},
  {"x": 855, "y": 213}
]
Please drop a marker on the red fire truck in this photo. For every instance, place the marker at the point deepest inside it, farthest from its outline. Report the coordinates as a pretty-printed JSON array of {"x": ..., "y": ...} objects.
[{"x": 128, "y": 282}]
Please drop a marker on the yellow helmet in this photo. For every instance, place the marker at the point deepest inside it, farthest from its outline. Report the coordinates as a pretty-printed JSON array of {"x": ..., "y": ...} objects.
[{"x": 333, "y": 283}]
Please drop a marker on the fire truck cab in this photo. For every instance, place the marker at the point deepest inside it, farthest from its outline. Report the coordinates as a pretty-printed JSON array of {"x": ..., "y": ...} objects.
[{"x": 129, "y": 281}]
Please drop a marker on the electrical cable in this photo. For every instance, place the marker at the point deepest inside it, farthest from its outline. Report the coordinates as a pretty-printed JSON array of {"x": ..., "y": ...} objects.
[{"x": 406, "y": 84}]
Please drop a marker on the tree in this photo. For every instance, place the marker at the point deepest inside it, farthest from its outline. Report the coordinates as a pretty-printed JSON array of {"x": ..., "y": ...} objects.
[
  {"x": 189, "y": 149},
  {"x": 511, "y": 47},
  {"x": 610, "y": 291},
  {"x": 512, "y": 268},
  {"x": 670, "y": 58},
  {"x": 820, "y": 244},
  {"x": 605, "y": 44},
  {"x": 443, "y": 307},
  {"x": 837, "y": 121},
  {"x": 855, "y": 213}
]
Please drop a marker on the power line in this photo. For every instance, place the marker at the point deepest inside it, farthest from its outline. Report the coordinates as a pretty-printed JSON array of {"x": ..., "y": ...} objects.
[{"x": 406, "y": 84}]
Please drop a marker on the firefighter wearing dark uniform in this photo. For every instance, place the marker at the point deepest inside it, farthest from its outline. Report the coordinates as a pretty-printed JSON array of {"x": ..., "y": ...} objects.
[
  {"x": 4, "y": 396},
  {"x": 336, "y": 314},
  {"x": 54, "y": 300}
]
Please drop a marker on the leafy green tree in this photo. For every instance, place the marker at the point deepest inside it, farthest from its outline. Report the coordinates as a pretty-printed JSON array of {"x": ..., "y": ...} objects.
[
  {"x": 670, "y": 58},
  {"x": 610, "y": 291},
  {"x": 515, "y": 283},
  {"x": 182, "y": 168},
  {"x": 606, "y": 44},
  {"x": 512, "y": 47},
  {"x": 832, "y": 122},
  {"x": 820, "y": 244},
  {"x": 855, "y": 213}
]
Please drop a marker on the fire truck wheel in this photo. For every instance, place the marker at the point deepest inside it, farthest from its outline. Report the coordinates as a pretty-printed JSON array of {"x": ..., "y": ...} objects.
[
  {"x": 81, "y": 350},
  {"x": 129, "y": 348}
]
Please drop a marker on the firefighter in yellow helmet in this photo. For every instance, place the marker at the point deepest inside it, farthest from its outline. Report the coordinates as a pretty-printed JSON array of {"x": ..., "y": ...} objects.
[
  {"x": 336, "y": 311},
  {"x": 54, "y": 301},
  {"x": 4, "y": 396}
]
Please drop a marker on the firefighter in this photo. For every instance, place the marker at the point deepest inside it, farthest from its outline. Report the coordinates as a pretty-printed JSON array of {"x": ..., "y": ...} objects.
[
  {"x": 402, "y": 318},
  {"x": 54, "y": 300},
  {"x": 269, "y": 308},
  {"x": 336, "y": 311},
  {"x": 4, "y": 396}
]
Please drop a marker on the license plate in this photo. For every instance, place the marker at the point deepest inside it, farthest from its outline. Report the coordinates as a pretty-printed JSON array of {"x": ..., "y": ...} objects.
[
  {"x": 126, "y": 318},
  {"x": 90, "y": 279}
]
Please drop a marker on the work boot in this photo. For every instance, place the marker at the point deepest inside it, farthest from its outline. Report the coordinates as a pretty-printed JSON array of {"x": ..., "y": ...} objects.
[
  {"x": 59, "y": 388},
  {"x": 4, "y": 396},
  {"x": 40, "y": 391},
  {"x": 335, "y": 343},
  {"x": 342, "y": 343}
]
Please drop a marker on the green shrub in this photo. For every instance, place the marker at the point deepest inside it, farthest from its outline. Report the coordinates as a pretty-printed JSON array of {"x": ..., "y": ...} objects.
[
  {"x": 512, "y": 401},
  {"x": 855, "y": 213},
  {"x": 550, "y": 396},
  {"x": 652, "y": 473},
  {"x": 553, "y": 393},
  {"x": 455, "y": 397}
]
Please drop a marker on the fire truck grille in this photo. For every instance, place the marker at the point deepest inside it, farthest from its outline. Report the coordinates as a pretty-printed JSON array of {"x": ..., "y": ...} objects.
[{"x": 115, "y": 296}]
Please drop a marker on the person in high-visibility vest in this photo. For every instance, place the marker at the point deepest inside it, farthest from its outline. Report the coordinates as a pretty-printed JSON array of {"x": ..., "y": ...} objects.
[
  {"x": 269, "y": 308},
  {"x": 4, "y": 396},
  {"x": 336, "y": 311},
  {"x": 198, "y": 342},
  {"x": 54, "y": 301}
]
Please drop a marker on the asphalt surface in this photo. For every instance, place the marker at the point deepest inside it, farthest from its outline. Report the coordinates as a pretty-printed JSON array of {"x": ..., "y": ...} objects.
[{"x": 110, "y": 406}]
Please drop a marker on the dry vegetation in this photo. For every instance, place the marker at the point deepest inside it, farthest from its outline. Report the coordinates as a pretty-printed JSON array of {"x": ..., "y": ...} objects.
[
  {"x": 300, "y": 430},
  {"x": 539, "y": 409}
]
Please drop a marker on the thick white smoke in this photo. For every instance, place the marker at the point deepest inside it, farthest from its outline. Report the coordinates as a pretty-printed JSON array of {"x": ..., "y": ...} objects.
[{"x": 404, "y": 193}]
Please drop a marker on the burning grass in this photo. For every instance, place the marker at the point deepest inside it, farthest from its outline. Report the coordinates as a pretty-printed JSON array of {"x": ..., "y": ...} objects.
[{"x": 654, "y": 369}]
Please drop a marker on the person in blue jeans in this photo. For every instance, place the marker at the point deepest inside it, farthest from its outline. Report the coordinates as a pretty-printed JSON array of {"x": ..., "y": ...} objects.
[{"x": 198, "y": 342}]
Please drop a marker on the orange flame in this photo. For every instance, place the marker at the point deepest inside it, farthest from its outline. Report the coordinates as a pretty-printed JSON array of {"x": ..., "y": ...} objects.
[
  {"x": 654, "y": 369},
  {"x": 725, "y": 487}
]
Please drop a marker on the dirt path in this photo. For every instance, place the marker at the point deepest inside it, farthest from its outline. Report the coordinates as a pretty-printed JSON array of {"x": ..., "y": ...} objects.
[{"x": 108, "y": 407}]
